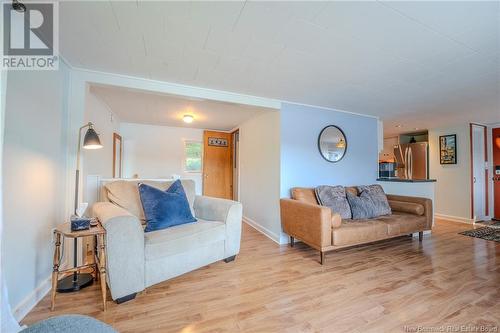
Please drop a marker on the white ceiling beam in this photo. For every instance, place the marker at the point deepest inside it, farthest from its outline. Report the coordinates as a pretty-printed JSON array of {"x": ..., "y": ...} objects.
[{"x": 125, "y": 81}]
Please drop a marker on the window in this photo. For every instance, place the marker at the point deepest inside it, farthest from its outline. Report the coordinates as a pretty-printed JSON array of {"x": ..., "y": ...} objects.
[{"x": 192, "y": 152}]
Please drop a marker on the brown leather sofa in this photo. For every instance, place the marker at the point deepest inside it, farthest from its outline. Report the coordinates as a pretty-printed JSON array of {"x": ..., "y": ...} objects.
[{"x": 317, "y": 226}]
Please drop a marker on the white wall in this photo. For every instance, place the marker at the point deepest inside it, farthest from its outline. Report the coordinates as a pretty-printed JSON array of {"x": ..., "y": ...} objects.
[
  {"x": 34, "y": 165},
  {"x": 157, "y": 151},
  {"x": 7, "y": 321},
  {"x": 260, "y": 172},
  {"x": 453, "y": 180},
  {"x": 99, "y": 161}
]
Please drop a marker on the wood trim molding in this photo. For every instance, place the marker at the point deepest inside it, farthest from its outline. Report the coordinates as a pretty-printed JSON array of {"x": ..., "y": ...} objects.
[
  {"x": 263, "y": 230},
  {"x": 453, "y": 218},
  {"x": 29, "y": 302}
]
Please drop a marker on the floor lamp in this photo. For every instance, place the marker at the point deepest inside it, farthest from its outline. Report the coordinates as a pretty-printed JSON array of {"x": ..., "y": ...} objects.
[{"x": 78, "y": 281}]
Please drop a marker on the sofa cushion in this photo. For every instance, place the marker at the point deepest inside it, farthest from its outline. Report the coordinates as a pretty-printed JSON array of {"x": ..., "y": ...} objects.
[
  {"x": 400, "y": 223},
  {"x": 353, "y": 232},
  {"x": 407, "y": 207},
  {"x": 352, "y": 189},
  {"x": 182, "y": 238},
  {"x": 304, "y": 194},
  {"x": 165, "y": 209},
  {"x": 125, "y": 193},
  {"x": 335, "y": 198},
  {"x": 378, "y": 197},
  {"x": 362, "y": 206}
]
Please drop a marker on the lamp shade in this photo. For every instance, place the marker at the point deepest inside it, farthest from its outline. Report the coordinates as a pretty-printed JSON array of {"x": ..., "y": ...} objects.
[{"x": 91, "y": 140}]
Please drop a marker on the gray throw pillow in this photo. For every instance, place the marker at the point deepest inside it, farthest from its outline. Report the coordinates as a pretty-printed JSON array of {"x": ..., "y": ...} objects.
[
  {"x": 362, "y": 206},
  {"x": 377, "y": 194},
  {"x": 335, "y": 198}
]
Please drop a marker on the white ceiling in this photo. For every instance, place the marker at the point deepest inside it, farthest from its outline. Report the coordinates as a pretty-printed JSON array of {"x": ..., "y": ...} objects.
[
  {"x": 420, "y": 64},
  {"x": 144, "y": 107}
]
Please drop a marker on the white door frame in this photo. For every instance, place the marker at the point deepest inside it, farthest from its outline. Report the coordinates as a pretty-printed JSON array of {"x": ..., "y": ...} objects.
[{"x": 479, "y": 172}]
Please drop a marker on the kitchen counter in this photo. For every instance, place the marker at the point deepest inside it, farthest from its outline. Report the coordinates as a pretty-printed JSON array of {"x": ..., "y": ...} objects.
[{"x": 402, "y": 180}]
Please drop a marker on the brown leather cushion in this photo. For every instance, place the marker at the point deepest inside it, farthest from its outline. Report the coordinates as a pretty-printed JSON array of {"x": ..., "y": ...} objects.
[
  {"x": 354, "y": 232},
  {"x": 407, "y": 207},
  {"x": 336, "y": 220},
  {"x": 400, "y": 223},
  {"x": 304, "y": 194},
  {"x": 352, "y": 189}
]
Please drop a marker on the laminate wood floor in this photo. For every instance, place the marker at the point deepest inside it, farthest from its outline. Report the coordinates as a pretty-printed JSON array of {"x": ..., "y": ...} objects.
[{"x": 392, "y": 286}]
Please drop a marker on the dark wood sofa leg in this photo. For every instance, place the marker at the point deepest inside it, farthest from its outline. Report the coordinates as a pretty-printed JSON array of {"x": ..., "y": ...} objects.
[
  {"x": 322, "y": 257},
  {"x": 229, "y": 259},
  {"x": 420, "y": 236},
  {"x": 292, "y": 241},
  {"x": 125, "y": 298}
]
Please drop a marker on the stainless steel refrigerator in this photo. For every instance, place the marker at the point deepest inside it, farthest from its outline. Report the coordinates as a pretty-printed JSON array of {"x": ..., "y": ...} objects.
[{"x": 412, "y": 160}]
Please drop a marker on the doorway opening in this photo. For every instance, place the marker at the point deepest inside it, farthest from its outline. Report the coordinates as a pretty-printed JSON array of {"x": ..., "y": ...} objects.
[
  {"x": 479, "y": 172},
  {"x": 221, "y": 164}
]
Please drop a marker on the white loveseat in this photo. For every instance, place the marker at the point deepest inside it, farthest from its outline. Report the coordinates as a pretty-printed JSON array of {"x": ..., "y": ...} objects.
[{"x": 137, "y": 260}]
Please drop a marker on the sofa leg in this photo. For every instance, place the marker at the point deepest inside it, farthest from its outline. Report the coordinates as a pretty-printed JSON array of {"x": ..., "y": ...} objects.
[
  {"x": 229, "y": 259},
  {"x": 321, "y": 257},
  {"x": 292, "y": 241},
  {"x": 125, "y": 298},
  {"x": 420, "y": 236}
]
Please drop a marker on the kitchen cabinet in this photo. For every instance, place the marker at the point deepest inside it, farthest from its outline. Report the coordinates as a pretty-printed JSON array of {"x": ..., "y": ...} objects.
[{"x": 387, "y": 154}]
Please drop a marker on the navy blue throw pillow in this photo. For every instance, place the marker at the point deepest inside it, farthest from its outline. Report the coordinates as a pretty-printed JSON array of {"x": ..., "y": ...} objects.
[{"x": 164, "y": 209}]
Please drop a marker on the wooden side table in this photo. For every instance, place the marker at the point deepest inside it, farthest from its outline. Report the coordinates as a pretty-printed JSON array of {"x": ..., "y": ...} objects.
[{"x": 99, "y": 264}]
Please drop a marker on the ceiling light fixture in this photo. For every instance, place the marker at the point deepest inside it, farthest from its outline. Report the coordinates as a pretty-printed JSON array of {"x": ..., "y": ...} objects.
[
  {"x": 187, "y": 118},
  {"x": 341, "y": 143}
]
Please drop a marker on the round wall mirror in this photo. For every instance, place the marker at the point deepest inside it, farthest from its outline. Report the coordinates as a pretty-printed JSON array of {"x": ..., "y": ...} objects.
[{"x": 332, "y": 143}]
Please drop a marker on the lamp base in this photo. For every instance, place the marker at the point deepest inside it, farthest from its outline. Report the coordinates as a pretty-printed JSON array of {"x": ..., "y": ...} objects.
[{"x": 67, "y": 285}]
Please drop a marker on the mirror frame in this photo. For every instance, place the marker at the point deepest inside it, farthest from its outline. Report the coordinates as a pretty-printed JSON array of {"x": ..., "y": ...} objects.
[
  {"x": 319, "y": 143},
  {"x": 117, "y": 155}
]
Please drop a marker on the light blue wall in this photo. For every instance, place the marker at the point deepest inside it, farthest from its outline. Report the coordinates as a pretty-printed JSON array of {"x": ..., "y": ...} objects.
[{"x": 301, "y": 162}]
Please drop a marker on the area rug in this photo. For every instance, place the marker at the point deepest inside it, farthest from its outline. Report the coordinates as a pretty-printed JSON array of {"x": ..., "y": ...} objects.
[
  {"x": 487, "y": 233},
  {"x": 494, "y": 224}
]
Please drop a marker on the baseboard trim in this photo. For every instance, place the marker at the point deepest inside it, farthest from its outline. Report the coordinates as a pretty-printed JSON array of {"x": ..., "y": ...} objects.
[
  {"x": 454, "y": 218},
  {"x": 29, "y": 302},
  {"x": 263, "y": 230}
]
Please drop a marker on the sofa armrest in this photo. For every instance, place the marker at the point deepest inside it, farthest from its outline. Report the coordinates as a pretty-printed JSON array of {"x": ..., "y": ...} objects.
[
  {"x": 228, "y": 211},
  {"x": 425, "y": 202},
  {"x": 124, "y": 249},
  {"x": 310, "y": 223}
]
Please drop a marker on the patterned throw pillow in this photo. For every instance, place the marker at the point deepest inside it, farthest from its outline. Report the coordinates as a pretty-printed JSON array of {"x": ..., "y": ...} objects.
[
  {"x": 377, "y": 194},
  {"x": 335, "y": 198},
  {"x": 362, "y": 206}
]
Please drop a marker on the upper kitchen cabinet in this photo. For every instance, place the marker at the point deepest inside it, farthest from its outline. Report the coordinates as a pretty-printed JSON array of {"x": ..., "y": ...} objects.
[
  {"x": 414, "y": 137},
  {"x": 387, "y": 154}
]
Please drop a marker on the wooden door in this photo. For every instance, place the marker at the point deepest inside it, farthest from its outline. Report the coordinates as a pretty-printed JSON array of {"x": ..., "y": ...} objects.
[
  {"x": 217, "y": 165},
  {"x": 496, "y": 171}
]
